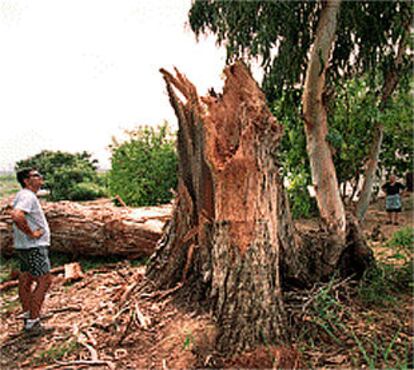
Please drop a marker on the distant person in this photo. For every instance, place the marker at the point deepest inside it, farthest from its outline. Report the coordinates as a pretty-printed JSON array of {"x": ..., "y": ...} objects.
[
  {"x": 393, "y": 199},
  {"x": 31, "y": 242}
]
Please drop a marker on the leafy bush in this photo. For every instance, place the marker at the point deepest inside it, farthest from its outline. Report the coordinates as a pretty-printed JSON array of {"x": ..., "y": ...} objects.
[
  {"x": 48, "y": 161},
  {"x": 144, "y": 167},
  {"x": 352, "y": 114},
  {"x": 63, "y": 172},
  {"x": 86, "y": 191},
  {"x": 8, "y": 185},
  {"x": 381, "y": 281},
  {"x": 403, "y": 238},
  {"x": 302, "y": 205}
]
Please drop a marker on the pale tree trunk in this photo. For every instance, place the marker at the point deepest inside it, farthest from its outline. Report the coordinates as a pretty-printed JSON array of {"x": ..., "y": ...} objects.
[
  {"x": 94, "y": 229},
  {"x": 225, "y": 237},
  {"x": 324, "y": 177},
  {"x": 354, "y": 188},
  {"x": 369, "y": 175},
  {"x": 390, "y": 84}
]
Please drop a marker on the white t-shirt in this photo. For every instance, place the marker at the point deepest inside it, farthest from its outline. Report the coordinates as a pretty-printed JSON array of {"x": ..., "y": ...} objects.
[{"x": 27, "y": 202}]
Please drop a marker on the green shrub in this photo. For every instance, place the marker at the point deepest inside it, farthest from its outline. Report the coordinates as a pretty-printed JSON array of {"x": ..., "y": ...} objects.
[
  {"x": 63, "y": 172},
  {"x": 144, "y": 167},
  {"x": 302, "y": 205},
  {"x": 380, "y": 283},
  {"x": 86, "y": 191},
  {"x": 377, "y": 286},
  {"x": 8, "y": 185},
  {"x": 403, "y": 238}
]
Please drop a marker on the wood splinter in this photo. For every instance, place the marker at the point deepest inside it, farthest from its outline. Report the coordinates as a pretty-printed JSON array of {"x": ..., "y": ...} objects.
[{"x": 142, "y": 319}]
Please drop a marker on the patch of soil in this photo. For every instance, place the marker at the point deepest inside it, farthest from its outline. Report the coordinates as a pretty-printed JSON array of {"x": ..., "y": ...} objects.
[
  {"x": 102, "y": 319},
  {"x": 108, "y": 320}
]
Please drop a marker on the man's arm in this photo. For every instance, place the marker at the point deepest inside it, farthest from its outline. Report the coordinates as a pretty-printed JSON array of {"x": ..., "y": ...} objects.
[{"x": 19, "y": 219}]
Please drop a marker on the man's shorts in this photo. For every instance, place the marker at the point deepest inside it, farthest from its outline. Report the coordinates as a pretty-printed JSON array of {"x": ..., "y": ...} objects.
[{"x": 34, "y": 260}]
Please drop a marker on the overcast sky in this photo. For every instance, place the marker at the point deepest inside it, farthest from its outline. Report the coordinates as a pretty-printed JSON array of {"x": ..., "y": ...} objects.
[{"x": 73, "y": 73}]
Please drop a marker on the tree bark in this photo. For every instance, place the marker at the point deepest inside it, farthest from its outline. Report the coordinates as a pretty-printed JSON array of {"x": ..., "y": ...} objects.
[
  {"x": 228, "y": 228},
  {"x": 324, "y": 177},
  {"x": 369, "y": 175},
  {"x": 95, "y": 230},
  {"x": 231, "y": 245},
  {"x": 390, "y": 84}
]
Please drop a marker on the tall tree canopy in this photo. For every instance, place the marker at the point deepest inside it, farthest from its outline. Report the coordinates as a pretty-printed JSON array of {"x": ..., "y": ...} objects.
[
  {"x": 231, "y": 244},
  {"x": 280, "y": 33},
  {"x": 371, "y": 39}
]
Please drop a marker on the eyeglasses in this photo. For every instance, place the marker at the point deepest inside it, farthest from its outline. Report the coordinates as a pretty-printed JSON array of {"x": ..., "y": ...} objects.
[{"x": 36, "y": 175}]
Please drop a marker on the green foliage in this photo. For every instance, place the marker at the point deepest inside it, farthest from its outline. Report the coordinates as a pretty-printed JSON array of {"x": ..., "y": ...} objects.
[
  {"x": 292, "y": 155},
  {"x": 330, "y": 319},
  {"x": 189, "y": 339},
  {"x": 6, "y": 266},
  {"x": 377, "y": 286},
  {"x": 302, "y": 204},
  {"x": 86, "y": 191},
  {"x": 67, "y": 176},
  {"x": 403, "y": 238},
  {"x": 380, "y": 282},
  {"x": 64, "y": 180},
  {"x": 279, "y": 34},
  {"x": 144, "y": 167},
  {"x": 354, "y": 114},
  {"x": 377, "y": 350},
  {"x": 397, "y": 153},
  {"x": 354, "y": 111},
  {"x": 8, "y": 185},
  {"x": 48, "y": 161}
]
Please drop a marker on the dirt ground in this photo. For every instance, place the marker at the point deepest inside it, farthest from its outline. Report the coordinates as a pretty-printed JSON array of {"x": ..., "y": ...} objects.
[{"x": 107, "y": 320}]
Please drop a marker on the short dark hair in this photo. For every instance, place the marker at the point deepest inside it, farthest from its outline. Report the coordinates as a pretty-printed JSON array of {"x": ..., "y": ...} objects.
[{"x": 22, "y": 175}]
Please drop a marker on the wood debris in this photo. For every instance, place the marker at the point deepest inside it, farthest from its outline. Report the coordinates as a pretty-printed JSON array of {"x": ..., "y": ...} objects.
[{"x": 73, "y": 272}]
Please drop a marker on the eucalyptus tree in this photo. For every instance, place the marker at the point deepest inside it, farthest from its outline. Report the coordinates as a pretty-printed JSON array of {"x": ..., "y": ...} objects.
[
  {"x": 353, "y": 124},
  {"x": 371, "y": 37},
  {"x": 231, "y": 244}
]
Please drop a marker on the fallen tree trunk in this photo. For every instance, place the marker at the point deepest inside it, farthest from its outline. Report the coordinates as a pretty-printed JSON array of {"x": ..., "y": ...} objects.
[{"x": 95, "y": 230}]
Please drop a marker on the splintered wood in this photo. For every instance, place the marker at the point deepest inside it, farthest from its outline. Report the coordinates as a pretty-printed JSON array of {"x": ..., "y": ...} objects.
[
  {"x": 73, "y": 272},
  {"x": 95, "y": 230}
]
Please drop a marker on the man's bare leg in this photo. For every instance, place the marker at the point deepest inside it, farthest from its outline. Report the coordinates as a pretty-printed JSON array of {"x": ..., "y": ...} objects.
[
  {"x": 25, "y": 290},
  {"x": 39, "y": 293}
]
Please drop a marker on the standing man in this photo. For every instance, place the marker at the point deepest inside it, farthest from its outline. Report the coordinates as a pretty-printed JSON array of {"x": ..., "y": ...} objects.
[{"x": 31, "y": 240}]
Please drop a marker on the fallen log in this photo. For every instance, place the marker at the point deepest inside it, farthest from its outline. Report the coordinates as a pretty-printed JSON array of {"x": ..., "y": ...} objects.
[{"x": 94, "y": 229}]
